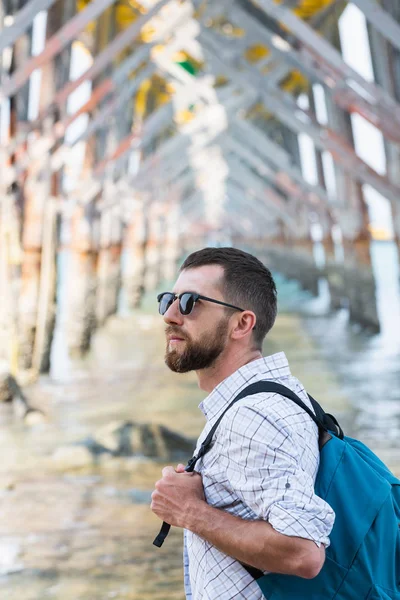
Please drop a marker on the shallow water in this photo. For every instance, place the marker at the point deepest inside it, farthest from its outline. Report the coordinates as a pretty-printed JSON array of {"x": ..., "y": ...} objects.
[
  {"x": 367, "y": 368},
  {"x": 85, "y": 532}
]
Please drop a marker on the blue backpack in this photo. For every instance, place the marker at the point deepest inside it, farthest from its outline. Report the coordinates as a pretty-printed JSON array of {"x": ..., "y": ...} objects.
[{"x": 363, "y": 559}]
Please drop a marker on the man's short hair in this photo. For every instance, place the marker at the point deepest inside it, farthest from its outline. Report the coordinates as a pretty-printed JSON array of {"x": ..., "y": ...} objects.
[{"x": 247, "y": 283}]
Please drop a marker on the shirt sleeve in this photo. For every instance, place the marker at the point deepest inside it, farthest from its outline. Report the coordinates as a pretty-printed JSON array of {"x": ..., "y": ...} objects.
[
  {"x": 186, "y": 576},
  {"x": 264, "y": 469}
]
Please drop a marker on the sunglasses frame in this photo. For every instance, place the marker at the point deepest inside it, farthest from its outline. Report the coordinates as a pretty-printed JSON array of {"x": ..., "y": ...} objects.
[{"x": 196, "y": 297}]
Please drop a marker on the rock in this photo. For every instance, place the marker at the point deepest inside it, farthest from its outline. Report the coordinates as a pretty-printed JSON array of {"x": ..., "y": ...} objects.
[
  {"x": 125, "y": 439},
  {"x": 34, "y": 417},
  {"x": 11, "y": 391},
  {"x": 107, "y": 438},
  {"x": 72, "y": 457}
]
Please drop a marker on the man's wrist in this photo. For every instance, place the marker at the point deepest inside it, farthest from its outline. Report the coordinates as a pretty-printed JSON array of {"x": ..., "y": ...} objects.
[{"x": 196, "y": 515}]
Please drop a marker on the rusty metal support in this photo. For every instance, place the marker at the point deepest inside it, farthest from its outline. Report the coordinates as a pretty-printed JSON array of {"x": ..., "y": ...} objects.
[
  {"x": 281, "y": 180},
  {"x": 104, "y": 58},
  {"x": 55, "y": 44},
  {"x": 350, "y": 90},
  {"x": 118, "y": 101},
  {"x": 286, "y": 110},
  {"x": 21, "y": 21}
]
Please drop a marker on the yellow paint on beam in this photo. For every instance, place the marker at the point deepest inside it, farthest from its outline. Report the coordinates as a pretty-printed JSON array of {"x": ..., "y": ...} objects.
[
  {"x": 253, "y": 54},
  {"x": 152, "y": 93},
  {"x": 125, "y": 13},
  {"x": 306, "y": 9},
  {"x": 295, "y": 83}
]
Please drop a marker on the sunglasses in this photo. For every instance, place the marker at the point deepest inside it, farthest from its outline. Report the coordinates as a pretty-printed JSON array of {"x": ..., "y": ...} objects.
[{"x": 187, "y": 301}]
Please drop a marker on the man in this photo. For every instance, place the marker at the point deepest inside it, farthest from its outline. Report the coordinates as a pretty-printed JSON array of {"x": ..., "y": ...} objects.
[{"x": 251, "y": 499}]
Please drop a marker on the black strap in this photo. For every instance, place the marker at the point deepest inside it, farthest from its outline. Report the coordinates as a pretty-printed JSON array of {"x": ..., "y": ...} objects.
[
  {"x": 325, "y": 422},
  {"x": 165, "y": 527},
  {"x": 164, "y": 531}
]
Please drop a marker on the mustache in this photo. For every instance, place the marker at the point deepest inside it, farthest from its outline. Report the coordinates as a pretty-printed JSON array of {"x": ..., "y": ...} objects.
[{"x": 171, "y": 330}]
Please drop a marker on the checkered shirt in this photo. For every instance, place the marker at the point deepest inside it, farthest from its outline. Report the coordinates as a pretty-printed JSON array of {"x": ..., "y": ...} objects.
[{"x": 262, "y": 465}]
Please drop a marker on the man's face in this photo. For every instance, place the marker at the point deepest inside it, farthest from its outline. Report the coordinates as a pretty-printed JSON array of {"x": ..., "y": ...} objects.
[{"x": 195, "y": 341}]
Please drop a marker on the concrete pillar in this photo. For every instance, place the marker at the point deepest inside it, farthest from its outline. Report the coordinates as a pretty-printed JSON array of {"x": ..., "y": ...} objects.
[
  {"x": 37, "y": 290},
  {"x": 351, "y": 282},
  {"x": 46, "y": 311},
  {"x": 81, "y": 281},
  {"x": 154, "y": 247},
  {"x": 386, "y": 64},
  {"x": 350, "y": 207},
  {"x": 135, "y": 239},
  {"x": 109, "y": 264},
  {"x": 10, "y": 265},
  {"x": 38, "y": 189},
  {"x": 170, "y": 255},
  {"x": 34, "y": 207}
]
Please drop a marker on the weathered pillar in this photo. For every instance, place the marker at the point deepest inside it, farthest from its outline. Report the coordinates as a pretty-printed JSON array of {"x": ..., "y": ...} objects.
[
  {"x": 32, "y": 235},
  {"x": 135, "y": 241},
  {"x": 81, "y": 280},
  {"x": 46, "y": 311},
  {"x": 328, "y": 243},
  {"x": 10, "y": 260},
  {"x": 351, "y": 281},
  {"x": 170, "y": 254},
  {"x": 386, "y": 65},
  {"x": 19, "y": 114},
  {"x": 109, "y": 264},
  {"x": 154, "y": 247},
  {"x": 325, "y": 220},
  {"x": 39, "y": 232},
  {"x": 291, "y": 253},
  {"x": 36, "y": 300}
]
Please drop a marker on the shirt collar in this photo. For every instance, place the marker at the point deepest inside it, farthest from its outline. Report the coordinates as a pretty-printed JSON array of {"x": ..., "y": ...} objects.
[{"x": 268, "y": 367}]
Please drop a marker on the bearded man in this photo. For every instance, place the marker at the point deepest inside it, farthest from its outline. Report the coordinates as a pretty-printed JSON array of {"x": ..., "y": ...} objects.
[{"x": 250, "y": 502}]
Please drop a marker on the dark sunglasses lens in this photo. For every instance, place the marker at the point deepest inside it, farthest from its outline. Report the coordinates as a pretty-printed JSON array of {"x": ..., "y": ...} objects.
[
  {"x": 186, "y": 303},
  {"x": 165, "y": 302}
]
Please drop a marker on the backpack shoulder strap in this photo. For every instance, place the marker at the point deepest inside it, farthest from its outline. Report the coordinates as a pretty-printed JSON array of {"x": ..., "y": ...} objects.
[{"x": 257, "y": 388}]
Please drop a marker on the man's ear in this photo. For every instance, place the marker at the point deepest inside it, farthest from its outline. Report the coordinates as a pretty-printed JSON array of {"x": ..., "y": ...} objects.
[{"x": 244, "y": 324}]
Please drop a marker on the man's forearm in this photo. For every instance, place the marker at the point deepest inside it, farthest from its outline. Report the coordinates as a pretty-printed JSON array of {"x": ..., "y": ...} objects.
[{"x": 256, "y": 543}]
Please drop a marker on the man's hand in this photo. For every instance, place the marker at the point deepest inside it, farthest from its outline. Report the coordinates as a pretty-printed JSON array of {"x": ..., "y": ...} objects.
[{"x": 177, "y": 495}]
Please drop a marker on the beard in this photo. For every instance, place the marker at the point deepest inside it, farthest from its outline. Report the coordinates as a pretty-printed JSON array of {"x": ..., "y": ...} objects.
[{"x": 199, "y": 354}]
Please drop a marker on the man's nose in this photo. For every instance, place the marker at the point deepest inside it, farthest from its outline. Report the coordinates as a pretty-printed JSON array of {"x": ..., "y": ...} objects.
[{"x": 173, "y": 315}]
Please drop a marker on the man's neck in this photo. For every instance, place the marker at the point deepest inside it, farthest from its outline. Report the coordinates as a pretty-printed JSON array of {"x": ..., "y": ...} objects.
[{"x": 224, "y": 367}]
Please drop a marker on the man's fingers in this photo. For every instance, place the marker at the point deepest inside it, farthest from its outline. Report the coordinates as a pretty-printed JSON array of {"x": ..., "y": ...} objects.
[
  {"x": 167, "y": 471},
  {"x": 180, "y": 468}
]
